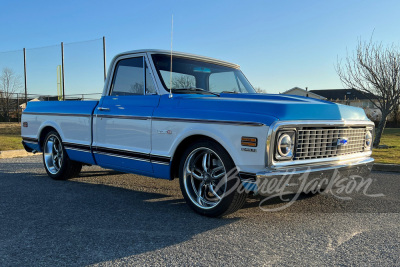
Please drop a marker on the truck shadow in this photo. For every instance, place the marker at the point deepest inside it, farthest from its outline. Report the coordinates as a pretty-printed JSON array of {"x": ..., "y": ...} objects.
[
  {"x": 255, "y": 200},
  {"x": 78, "y": 223}
]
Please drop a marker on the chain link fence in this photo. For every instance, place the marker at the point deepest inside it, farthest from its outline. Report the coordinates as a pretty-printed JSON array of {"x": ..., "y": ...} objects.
[{"x": 71, "y": 71}]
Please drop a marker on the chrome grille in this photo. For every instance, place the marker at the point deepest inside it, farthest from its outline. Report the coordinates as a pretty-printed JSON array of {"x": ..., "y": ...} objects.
[{"x": 322, "y": 142}]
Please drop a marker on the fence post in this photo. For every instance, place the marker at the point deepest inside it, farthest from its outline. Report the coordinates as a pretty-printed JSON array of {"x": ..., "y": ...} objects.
[
  {"x": 62, "y": 69},
  {"x": 104, "y": 58},
  {"x": 26, "y": 89},
  {"x": 18, "y": 119}
]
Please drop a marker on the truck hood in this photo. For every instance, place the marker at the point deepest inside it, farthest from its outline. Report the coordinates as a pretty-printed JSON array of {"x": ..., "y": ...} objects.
[{"x": 282, "y": 107}]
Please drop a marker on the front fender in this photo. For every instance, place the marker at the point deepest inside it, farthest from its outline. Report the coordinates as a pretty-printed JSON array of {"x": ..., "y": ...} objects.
[{"x": 228, "y": 136}]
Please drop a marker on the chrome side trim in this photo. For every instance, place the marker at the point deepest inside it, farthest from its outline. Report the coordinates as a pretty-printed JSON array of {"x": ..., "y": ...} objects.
[
  {"x": 128, "y": 154},
  {"x": 57, "y": 114},
  {"x": 123, "y": 117},
  {"x": 240, "y": 123},
  {"x": 160, "y": 163},
  {"x": 77, "y": 149},
  {"x": 120, "y": 156},
  {"x": 160, "y": 159}
]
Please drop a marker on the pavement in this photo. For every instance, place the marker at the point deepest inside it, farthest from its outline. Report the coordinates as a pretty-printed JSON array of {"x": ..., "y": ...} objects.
[
  {"x": 9, "y": 154},
  {"x": 110, "y": 218}
]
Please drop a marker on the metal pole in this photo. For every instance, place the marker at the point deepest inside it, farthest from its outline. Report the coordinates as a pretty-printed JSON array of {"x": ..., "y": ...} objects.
[
  {"x": 62, "y": 69},
  {"x": 104, "y": 57},
  {"x": 18, "y": 107},
  {"x": 26, "y": 89}
]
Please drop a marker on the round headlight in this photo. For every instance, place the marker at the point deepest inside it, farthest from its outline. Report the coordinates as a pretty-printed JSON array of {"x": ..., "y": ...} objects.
[
  {"x": 368, "y": 139},
  {"x": 284, "y": 145}
]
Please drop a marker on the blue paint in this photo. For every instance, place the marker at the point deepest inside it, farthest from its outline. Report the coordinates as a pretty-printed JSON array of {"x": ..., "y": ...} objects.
[
  {"x": 127, "y": 170},
  {"x": 65, "y": 107},
  {"x": 255, "y": 108},
  {"x": 80, "y": 156},
  {"x": 34, "y": 146},
  {"x": 124, "y": 164},
  {"x": 162, "y": 171},
  {"x": 135, "y": 105}
]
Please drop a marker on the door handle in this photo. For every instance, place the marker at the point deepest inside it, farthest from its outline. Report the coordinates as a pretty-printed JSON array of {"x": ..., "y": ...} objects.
[{"x": 103, "y": 109}]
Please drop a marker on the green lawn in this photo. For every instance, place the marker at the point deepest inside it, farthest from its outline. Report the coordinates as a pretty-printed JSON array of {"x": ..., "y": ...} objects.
[
  {"x": 10, "y": 136},
  {"x": 10, "y": 139},
  {"x": 391, "y": 138},
  {"x": 10, "y": 142}
]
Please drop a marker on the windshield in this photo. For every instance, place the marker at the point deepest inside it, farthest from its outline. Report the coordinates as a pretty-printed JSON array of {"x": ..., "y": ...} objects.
[{"x": 189, "y": 76}]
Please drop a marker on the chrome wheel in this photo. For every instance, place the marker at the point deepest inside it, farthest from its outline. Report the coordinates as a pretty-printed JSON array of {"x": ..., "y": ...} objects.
[
  {"x": 53, "y": 154},
  {"x": 204, "y": 178}
]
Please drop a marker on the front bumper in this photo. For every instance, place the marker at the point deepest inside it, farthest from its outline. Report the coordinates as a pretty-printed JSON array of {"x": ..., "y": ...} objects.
[{"x": 308, "y": 178}]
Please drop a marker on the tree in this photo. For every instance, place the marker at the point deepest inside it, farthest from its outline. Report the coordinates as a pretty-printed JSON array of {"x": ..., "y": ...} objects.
[
  {"x": 259, "y": 90},
  {"x": 374, "y": 69},
  {"x": 10, "y": 84},
  {"x": 181, "y": 82},
  {"x": 396, "y": 112},
  {"x": 136, "y": 88}
]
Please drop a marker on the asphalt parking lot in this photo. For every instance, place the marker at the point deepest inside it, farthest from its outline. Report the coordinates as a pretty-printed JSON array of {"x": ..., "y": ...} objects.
[{"x": 108, "y": 218}]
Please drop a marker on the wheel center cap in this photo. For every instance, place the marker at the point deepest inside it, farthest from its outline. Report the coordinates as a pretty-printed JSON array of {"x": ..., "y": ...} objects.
[{"x": 207, "y": 177}]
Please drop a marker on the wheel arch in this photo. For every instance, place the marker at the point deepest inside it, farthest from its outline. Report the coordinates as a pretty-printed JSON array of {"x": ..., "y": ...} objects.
[
  {"x": 44, "y": 131},
  {"x": 180, "y": 149}
]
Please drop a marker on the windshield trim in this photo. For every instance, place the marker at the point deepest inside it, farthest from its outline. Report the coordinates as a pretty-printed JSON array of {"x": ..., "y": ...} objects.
[{"x": 197, "y": 58}]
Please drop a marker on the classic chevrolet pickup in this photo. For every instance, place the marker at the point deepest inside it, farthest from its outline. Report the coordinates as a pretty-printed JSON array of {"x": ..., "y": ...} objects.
[{"x": 198, "y": 119}]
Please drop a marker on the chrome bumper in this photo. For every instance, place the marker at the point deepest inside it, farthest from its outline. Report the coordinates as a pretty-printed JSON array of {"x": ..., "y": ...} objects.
[{"x": 306, "y": 177}]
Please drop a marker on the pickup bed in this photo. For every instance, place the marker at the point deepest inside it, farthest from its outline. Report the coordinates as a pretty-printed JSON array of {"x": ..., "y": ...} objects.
[{"x": 202, "y": 122}]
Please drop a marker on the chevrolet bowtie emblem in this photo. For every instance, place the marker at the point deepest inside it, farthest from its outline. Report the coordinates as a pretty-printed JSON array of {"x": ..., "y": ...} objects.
[{"x": 342, "y": 141}]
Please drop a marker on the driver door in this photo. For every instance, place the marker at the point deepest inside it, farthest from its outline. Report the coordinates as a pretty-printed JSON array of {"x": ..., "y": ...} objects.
[{"x": 122, "y": 121}]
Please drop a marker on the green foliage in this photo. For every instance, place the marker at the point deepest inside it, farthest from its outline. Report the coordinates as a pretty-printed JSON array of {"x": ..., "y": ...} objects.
[{"x": 391, "y": 138}]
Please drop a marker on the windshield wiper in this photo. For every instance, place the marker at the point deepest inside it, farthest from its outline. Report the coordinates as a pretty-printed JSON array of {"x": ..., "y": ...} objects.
[
  {"x": 229, "y": 92},
  {"x": 193, "y": 89}
]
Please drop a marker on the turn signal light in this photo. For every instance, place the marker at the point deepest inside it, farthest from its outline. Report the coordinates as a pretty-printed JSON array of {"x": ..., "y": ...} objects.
[{"x": 249, "y": 141}]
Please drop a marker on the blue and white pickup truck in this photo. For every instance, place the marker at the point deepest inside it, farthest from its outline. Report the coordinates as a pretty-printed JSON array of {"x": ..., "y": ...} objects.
[{"x": 202, "y": 121}]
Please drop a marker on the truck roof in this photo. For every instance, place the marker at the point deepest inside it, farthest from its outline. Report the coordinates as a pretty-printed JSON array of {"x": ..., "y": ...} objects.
[{"x": 181, "y": 54}]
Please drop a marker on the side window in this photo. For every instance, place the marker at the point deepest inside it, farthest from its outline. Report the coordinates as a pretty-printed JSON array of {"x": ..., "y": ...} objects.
[
  {"x": 128, "y": 77},
  {"x": 224, "y": 81}
]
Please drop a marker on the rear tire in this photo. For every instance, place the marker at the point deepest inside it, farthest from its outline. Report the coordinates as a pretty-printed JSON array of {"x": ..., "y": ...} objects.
[
  {"x": 209, "y": 180},
  {"x": 55, "y": 159}
]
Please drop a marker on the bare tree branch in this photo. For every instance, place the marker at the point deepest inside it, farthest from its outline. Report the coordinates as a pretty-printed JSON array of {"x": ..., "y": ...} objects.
[
  {"x": 374, "y": 70},
  {"x": 10, "y": 84}
]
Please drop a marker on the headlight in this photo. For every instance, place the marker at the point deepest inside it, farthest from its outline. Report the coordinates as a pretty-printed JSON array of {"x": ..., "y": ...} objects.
[
  {"x": 368, "y": 139},
  {"x": 285, "y": 145}
]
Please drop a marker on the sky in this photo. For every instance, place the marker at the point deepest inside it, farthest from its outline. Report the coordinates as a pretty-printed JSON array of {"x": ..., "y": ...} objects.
[{"x": 278, "y": 44}]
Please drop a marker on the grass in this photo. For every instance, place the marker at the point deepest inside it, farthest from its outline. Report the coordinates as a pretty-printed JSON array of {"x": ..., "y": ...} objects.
[
  {"x": 10, "y": 139},
  {"x": 10, "y": 136},
  {"x": 391, "y": 138},
  {"x": 10, "y": 142}
]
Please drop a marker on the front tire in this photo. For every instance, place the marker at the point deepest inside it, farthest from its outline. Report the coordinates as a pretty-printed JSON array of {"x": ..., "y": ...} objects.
[
  {"x": 209, "y": 180},
  {"x": 55, "y": 159}
]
